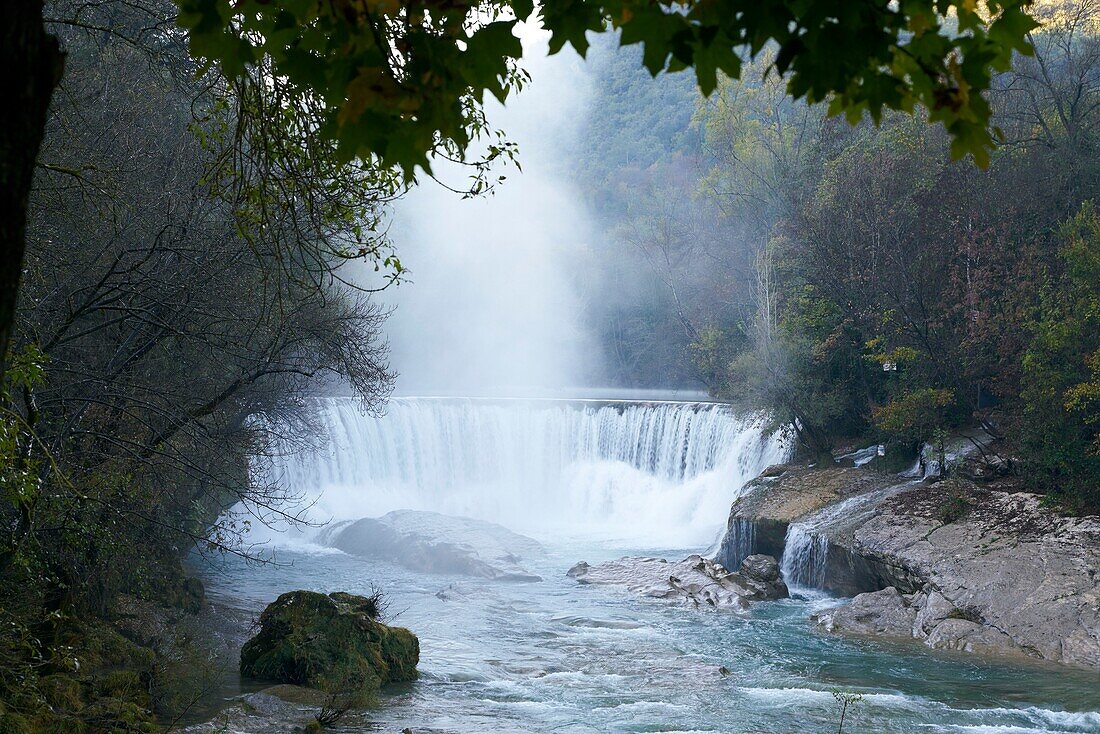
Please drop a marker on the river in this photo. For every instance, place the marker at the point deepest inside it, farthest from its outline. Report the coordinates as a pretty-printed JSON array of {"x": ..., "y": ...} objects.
[{"x": 594, "y": 480}]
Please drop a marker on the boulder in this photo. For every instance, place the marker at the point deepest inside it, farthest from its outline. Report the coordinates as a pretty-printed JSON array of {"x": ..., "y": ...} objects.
[
  {"x": 695, "y": 581},
  {"x": 435, "y": 543},
  {"x": 763, "y": 571},
  {"x": 928, "y": 617},
  {"x": 334, "y": 643},
  {"x": 884, "y": 613}
]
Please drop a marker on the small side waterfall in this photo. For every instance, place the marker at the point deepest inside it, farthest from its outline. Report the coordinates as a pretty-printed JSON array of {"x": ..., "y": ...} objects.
[
  {"x": 805, "y": 558},
  {"x": 662, "y": 472},
  {"x": 738, "y": 544},
  {"x": 806, "y": 551}
]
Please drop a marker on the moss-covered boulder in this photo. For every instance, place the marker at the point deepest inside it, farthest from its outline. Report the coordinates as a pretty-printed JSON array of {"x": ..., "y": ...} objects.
[{"x": 334, "y": 643}]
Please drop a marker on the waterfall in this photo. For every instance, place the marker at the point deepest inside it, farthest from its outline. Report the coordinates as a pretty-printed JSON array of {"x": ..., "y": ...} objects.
[
  {"x": 805, "y": 556},
  {"x": 738, "y": 544},
  {"x": 805, "y": 561},
  {"x": 661, "y": 472}
]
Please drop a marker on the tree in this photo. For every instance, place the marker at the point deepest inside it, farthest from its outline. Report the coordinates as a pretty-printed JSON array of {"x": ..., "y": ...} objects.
[
  {"x": 399, "y": 82},
  {"x": 1062, "y": 372}
]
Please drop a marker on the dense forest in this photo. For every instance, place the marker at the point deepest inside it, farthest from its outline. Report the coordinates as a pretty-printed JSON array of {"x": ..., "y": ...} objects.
[
  {"x": 853, "y": 280},
  {"x": 185, "y": 285},
  {"x": 183, "y": 291}
]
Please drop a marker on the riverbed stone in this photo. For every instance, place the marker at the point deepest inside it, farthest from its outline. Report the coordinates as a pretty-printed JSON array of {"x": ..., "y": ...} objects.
[
  {"x": 884, "y": 613},
  {"x": 331, "y": 642},
  {"x": 695, "y": 581},
  {"x": 762, "y": 572}
]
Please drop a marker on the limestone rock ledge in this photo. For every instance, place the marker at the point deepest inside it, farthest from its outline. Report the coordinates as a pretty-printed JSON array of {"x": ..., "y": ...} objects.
[
  {"x": 695, "y": 581},
  {"x": 953, "y": 564}
]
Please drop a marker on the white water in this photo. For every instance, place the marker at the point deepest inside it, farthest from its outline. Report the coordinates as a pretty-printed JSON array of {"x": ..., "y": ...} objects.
[{"x": 663, "y": 472}]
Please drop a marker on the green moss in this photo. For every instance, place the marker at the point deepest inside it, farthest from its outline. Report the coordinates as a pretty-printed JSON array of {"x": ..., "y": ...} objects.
[
  {"x": 60, "y": 725},
  {"x": 124, "y": 684},
  {"x": 116, "y": 716},
  {"x": 105, "y": 648},
  {"x": 329, "y": 642},
  {"x": 11, "y": 723},
  {"x": 62, "y": 692}
]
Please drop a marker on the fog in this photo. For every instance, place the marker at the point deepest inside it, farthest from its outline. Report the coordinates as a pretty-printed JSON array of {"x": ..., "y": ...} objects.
[{"x": 492, "y": 305}]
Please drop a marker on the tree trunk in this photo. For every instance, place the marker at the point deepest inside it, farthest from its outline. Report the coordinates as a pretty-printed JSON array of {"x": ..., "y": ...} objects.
[{"x": 31, "y": 63}]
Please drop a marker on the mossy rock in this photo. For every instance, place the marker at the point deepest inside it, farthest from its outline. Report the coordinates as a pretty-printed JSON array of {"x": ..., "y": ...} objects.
[
  {"x": 117, "y": 716},
  {"x": 128, "y": 685},
  {"x": 60, "y": 725},
  {"x": 105, "y": 647},
  {"x": 333, "y": 643},
  {"x": 62, "y": 692},
  {"x": 12, "y": 723}
]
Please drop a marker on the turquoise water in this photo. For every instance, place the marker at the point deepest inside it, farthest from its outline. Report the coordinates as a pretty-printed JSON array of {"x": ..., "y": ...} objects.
[{"x": 560, "y": 657}]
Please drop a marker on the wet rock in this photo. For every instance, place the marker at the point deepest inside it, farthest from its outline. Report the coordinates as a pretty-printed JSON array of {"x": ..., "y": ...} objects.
[
  {"x": 967, "y": 636},
  {"x": 975, "y": 568},
  {"x": 435, "y": 543},
  {"x": 695, "y": 581},
  {"x": 884, "y": 613},
  {"x": 763, "y": 573},
  {"x": 613, "y": 624},
  {"x": 579, "y": 570},
  {"x": 332, "y": 643},
  {"x": 761, "y": 568}
]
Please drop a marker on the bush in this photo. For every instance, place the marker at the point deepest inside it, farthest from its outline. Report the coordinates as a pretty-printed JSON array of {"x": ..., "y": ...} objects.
[{"x": 915, "y": 416}]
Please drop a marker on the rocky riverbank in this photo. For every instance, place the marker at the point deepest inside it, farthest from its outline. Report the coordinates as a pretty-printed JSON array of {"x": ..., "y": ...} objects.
[
  {"x": 695, "y": 581},
  {"x": 952, "y": 564}
]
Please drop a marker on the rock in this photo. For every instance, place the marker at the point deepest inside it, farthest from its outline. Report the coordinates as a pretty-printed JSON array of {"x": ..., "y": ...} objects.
[
  {"x": 579, "y": 570},
  {"x": 775, "y": 470},
  {"x": 764, "y": 571},
  {"x": 332, "y": 643},
  {"x": 967, "y": 636},
  {"x": 435, "y": 543},
  {"x": 972, "y": 568},
  {"x": 695, "y": 581},
  {"x": 761, "y": 568},
  {"x": 758, "y": 520},
  {"x": 883, "y": 613}
]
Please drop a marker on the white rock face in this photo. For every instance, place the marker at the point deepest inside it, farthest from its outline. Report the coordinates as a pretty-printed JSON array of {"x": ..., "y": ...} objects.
[
  {"x": 695, "y": 581},
  {"x": 435, "y": 543},
  {"x": 927, "y": 617},
  {"x": 971, "y": 567},
  {"x": 1030, "y": 579}
]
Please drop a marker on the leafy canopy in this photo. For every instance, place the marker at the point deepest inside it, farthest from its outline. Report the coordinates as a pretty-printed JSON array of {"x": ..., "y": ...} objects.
[{"x": 402, "y": 81}]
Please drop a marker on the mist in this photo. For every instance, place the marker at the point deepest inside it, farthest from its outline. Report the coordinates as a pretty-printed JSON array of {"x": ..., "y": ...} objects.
[{"x": 492, "y": 306}]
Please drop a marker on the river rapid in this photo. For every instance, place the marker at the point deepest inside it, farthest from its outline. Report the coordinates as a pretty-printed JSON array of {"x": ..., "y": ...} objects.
[{"x": 558, "y": 656}]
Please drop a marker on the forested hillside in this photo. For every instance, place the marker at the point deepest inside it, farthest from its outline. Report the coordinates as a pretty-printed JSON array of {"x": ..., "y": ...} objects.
[
  {"x": 855, "y": 281},
  {"x": 206, "y": 186}
]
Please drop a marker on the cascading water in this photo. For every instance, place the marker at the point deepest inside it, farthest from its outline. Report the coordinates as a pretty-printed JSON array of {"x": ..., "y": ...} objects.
[
  {"x": 804, "y": 564},
  {"x": 662, "y": 472}
]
